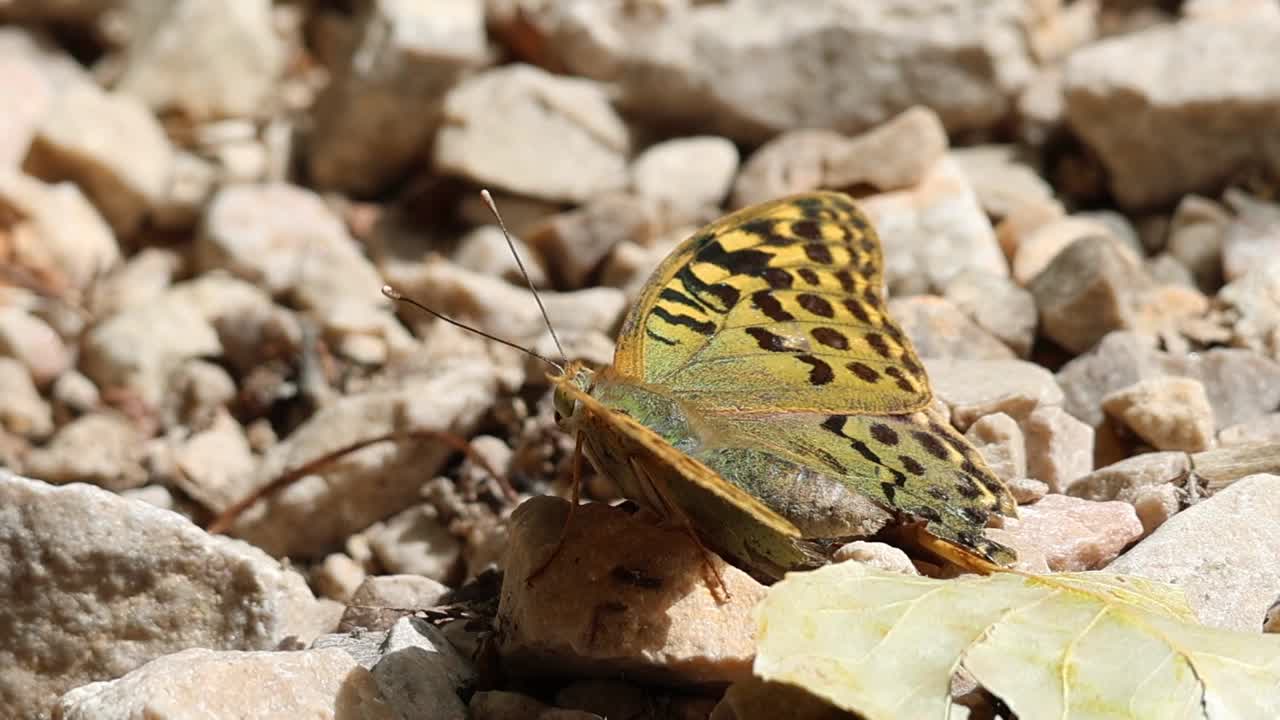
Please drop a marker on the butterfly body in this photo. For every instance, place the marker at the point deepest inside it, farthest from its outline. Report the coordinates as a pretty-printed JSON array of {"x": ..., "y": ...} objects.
[{"x": 760, "y": 393}]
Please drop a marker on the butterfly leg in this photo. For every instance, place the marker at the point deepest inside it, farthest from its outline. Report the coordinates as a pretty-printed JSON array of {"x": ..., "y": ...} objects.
[
  {"x": 575, "y": 492},
  {"x": 672, "y": 510}
]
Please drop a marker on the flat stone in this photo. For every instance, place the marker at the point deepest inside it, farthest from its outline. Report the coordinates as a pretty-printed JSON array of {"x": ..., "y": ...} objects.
[
  {"x": 338, "y": 577},
  {"x": 504, "y": 310},
  {"x": 1220, "y": 552},
  {"x": 31, "y": 341},
  {"x": 1155, "y": 504},
  {"x": 1169, "y": 413},
  {"x": 1119, "y": 360},
  {"x": 141, "y": 279},
  {"x": 216, "y": 464},
  {"x": 1253, "y": 302},
  {"x": 1263, "y": 429},
  {"x": 974, "y": 388},
  {"x": 1126, "y": 476},
  {"x": 623, "y": 595},
  {"x": 1073, "y": 534},
  {"x": 86, "y": 568},
  {"x": 512, "y": 126},
  {"x": 321, "y": 684}
]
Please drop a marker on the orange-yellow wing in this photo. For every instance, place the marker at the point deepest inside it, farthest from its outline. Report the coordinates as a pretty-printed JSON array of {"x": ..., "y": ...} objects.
[{"x": 776, "y": 307}]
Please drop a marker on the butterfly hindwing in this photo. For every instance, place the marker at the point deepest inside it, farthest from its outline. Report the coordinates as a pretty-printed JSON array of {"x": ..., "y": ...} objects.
[
  {"x": 779, "y": 306},
  {"x": 915, "y": 465}
]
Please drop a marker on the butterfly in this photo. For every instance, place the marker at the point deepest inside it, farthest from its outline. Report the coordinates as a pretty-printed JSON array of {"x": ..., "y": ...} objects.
[{"x": 760, "y": 392}]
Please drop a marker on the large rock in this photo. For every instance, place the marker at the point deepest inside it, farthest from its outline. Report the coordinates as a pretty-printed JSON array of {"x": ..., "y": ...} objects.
[
  {"x": 1178, "y": 108},
  {"x": 747, "y": 69},
  {"x": 93, "y": 585},
  {"x": 1221, "y": 552},
  {"x": 622, "y": 596}
]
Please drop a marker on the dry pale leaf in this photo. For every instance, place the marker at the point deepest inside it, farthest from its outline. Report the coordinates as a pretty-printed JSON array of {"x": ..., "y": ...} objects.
[{"x": 1074, "y": 646}]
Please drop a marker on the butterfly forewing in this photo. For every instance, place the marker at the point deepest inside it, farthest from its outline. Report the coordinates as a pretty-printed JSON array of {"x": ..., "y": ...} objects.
[{"x": 780, "y": 306}]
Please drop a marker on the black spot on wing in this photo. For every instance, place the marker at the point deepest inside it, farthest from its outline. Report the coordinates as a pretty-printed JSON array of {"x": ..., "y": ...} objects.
[
  {"x": 966, "y": 486},
  {"x": 777, "y": 278},
  {"x": 809, "y": 276},
  {"x": 728, "y": 296},
  {"x": 830, "y": 337},
  {"x": 863, "y": 371},
  {"x": 766, "y": 303},
  {"x": 877, "y": 343},
  {"x": 899, "y": 379},
  {"x": 857, "y": 310},
  {"x": 807, "y": 229},
  {"x": 884, "y": 434},
  {"x": 912, "y": 465},
  {"x": 846, "y": 279},
  {"x": 931, "y": 445},
  {"x": 769, "y": 341},
  {"x": 865, "y": 452},
  {"x": 819, "y": 253},
  {"x": 815, "y": 304},
  {"x": 820, "y": 372}
]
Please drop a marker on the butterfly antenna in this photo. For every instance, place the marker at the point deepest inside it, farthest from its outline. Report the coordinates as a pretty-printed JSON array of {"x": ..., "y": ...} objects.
[
  {"x": 493, "y": 208},
  {"x": 394, "y": 294}
]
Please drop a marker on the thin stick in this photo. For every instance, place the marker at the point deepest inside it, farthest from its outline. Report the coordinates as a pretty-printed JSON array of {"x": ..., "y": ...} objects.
[
  {"x": 493, "y": 207},
  {"x": 394, "y": 294},
  {"x": 576, "y": 485}
]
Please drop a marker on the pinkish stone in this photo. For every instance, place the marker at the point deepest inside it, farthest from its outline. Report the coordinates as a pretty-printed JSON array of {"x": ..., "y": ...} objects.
[{"x": 1073, "y": 534}]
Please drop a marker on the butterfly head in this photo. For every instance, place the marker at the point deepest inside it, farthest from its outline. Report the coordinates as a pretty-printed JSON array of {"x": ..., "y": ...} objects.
[{"x": 576, "y": 382}]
